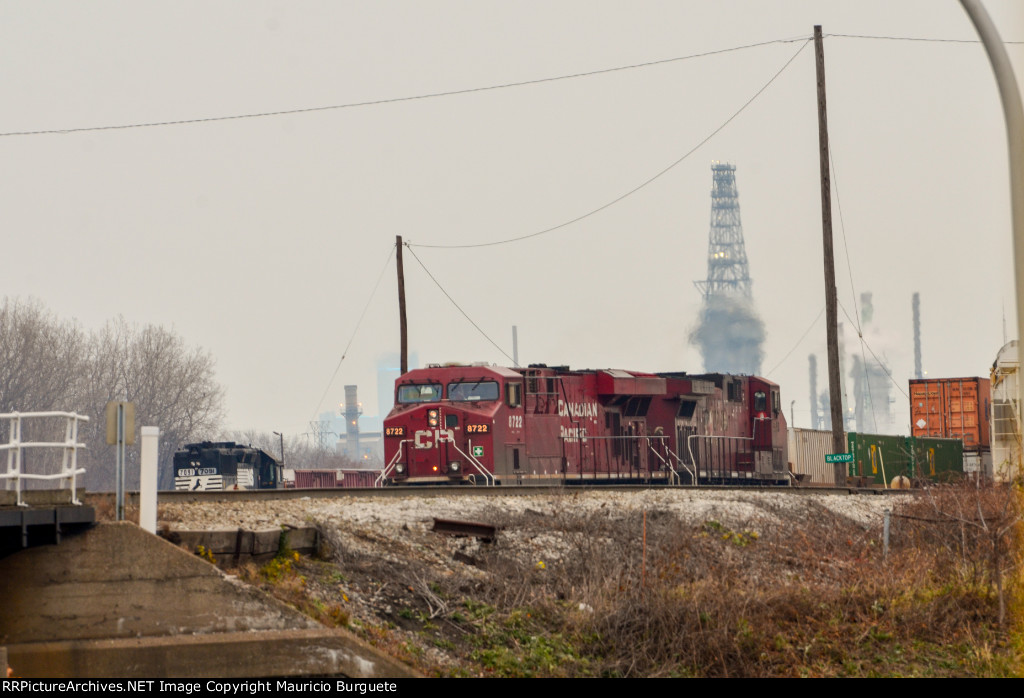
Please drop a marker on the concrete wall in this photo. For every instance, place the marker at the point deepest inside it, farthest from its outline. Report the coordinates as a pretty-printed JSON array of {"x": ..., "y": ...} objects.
[{"x": 117, "y": 601}]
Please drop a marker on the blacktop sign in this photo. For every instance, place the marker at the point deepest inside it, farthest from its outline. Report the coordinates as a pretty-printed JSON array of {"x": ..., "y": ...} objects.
[{"x": 838, "y": 457}]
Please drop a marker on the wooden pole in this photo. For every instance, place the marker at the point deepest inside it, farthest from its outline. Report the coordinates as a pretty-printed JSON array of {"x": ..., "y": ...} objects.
[
  {"x": 401, "y": 306},
  {"x": 834, "y": 389}
]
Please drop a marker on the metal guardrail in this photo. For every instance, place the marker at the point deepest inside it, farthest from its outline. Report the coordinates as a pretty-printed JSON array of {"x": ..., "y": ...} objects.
[{"x": 15, "y": 448}]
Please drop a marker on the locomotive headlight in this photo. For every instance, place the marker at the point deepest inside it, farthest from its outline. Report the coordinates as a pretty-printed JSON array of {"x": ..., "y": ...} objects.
[
  {"x": 453, "y": 467},
  {"x": 400, "y": 468},
  {"x": 432, "y": 418}
]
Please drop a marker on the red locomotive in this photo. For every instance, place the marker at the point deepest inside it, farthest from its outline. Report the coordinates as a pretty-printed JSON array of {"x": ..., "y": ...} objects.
[{"x": 543, "y": 425}]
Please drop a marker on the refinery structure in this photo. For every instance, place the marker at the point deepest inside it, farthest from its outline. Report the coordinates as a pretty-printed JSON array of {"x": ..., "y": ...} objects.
[{"x": 730, "y": 334}]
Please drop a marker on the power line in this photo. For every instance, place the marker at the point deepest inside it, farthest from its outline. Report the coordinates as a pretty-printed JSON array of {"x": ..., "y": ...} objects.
[
  {"x": 853, "y": 292},
  {"x": 457, "y": 305},
  {"x": 913, "y": 38},
  {"x": 344, "y": 353},
  {"x": 809, "y": 328},
  {"x": 468, "y": 90},
  {"x": 393, "y": 100},
  {"x": 873, "y": 354},
  {"x": 637, "y": 188}
]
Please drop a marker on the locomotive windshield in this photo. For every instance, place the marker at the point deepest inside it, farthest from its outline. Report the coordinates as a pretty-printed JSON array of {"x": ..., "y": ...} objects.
[
  {"x": 428, "y": 392},
  {"x": 465, "y": 392}
]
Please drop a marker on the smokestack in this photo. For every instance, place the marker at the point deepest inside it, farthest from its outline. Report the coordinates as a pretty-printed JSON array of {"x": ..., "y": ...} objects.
[
  {"x": 813, "y": 361},
  {"x": 916, "y": 304},
  {"x": 352, "y": 413},
  {"x": 867, "y": 310}
]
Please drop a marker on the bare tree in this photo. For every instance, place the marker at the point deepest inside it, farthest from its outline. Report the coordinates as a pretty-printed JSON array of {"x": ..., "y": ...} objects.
[
  {"x": 172, "y": 386},
  {"x": 41, "y": 358},
  {"x": 51, "y": 364}
]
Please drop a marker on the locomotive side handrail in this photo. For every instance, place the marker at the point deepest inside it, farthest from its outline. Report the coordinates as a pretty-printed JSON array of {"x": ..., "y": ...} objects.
[
  {"x": 682, "y": 465},
  {"x": 624, "y": 437},
  {"x": 675, "y": 475},
  {"x": 691, "y": 437},
  {"x": 69, "y": 470},
  {"x": 382, "y": 478},
  {"x": 679, "y": 461}
]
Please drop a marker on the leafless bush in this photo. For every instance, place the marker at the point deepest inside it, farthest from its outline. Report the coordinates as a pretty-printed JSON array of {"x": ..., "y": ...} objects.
[
  {"x": 972, "y": 531},
  {"x": 716, "y": 599}
]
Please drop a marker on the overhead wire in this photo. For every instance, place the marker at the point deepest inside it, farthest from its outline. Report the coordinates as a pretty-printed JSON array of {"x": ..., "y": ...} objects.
[
  {"x": 797, "y": 344},
  {"x": 468, "y": 90},
  {"x": 344, "y": 352},
  {"x": 879, "y": 361},
  {"x": 640, "y": 186},
  {"x": 394, "y": 100},
  {"x": 853, "y": 290},
  {"x": 457, "y": 306},
  {"x": 913, "y": 38}
]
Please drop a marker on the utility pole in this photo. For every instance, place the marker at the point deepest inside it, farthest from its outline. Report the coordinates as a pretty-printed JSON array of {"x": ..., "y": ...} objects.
[
  {"x": 401, "y": 306},
  {"x": 831, "y": 319}
]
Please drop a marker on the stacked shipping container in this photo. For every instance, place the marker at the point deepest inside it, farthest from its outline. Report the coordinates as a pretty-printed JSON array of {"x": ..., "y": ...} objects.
[{"x": 955, "y": 408}]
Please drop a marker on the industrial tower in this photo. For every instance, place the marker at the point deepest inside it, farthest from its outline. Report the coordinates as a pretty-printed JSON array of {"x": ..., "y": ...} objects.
[{"x": 730, "y": 333}]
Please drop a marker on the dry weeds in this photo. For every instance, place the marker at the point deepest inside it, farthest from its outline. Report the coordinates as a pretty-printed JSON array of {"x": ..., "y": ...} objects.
[{"x": 618, "y": 593}]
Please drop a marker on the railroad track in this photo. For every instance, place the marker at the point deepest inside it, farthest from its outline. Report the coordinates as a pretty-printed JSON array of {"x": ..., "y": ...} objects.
[{"x": 445, "y": 491}]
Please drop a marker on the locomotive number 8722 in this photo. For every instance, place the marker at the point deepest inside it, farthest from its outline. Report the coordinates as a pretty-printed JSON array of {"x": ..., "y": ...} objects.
[{"x": 543, "y": 425}]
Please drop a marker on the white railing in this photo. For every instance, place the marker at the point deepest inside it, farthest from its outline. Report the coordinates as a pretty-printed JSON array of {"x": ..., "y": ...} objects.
[{"x": 15, "y": 448}]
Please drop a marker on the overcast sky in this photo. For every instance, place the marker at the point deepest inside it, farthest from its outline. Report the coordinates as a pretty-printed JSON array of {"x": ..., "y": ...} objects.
[{"x": 261, "y": 239}]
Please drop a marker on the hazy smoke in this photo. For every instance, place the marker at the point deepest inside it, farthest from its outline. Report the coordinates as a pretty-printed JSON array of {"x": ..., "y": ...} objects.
[{"x": 730, "y": 336}]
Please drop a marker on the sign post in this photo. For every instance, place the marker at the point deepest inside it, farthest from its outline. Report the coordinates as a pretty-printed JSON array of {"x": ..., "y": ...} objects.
[{"x": 120, "y": 431}]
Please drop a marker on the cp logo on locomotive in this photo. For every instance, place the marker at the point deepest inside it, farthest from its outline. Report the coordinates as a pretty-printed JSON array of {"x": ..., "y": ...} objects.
[{"x": 427, "y": 438}]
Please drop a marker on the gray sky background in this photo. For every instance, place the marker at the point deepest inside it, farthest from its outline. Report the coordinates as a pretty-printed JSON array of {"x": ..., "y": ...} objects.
[{"x": 261, "y": 239}]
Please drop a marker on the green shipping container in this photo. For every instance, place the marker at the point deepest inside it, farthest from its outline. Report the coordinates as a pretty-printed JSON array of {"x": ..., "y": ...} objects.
[
  {"x": 879, "y": 457},
  {"x": 939, "y": 460}
]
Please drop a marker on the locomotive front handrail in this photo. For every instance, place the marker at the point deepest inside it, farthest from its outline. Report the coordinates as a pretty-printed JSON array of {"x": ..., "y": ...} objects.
[
  {"x": 15, "y": 446},
  {"x": 488, "y": 477},
  {"x": 382, "y": 478}
]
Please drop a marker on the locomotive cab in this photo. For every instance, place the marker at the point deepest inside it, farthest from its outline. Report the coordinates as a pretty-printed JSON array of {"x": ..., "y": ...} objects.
[{"x": 452, "y": 423}]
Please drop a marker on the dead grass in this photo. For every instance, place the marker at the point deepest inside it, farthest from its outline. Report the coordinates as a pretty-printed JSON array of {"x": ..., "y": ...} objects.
[{"x": 627, "y": 594}]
